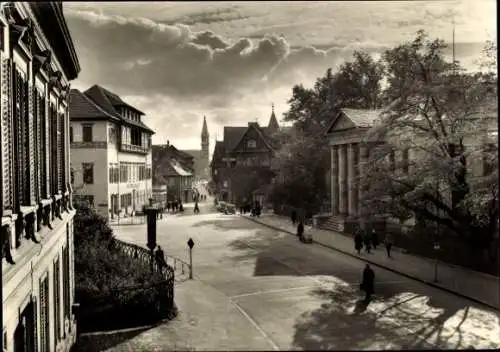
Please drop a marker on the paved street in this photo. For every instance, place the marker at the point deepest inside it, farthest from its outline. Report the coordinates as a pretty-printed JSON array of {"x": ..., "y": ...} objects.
[{"x": 260, "y": 289}]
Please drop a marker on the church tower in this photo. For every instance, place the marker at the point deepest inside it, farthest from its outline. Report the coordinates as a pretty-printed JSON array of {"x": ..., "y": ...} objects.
[
  {"x": 205, "y": 141},
  {"x": 273, "y": 122}
]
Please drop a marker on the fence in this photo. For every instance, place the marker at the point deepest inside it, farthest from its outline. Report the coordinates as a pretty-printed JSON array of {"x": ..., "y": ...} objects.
[{"x": 136, "y": 304}]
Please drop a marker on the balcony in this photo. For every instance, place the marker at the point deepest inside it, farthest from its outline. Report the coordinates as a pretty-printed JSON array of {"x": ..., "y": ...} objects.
[{"x": 130, "y": 148}]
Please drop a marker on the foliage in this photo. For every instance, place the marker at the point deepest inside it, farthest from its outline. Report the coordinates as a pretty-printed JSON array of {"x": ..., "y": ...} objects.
[
  {"x": 247, "y": 179},
  {"x": 303, "y": 161},
  {"x": 99, "y": 267},
  {"x": 437, "y": 112}
]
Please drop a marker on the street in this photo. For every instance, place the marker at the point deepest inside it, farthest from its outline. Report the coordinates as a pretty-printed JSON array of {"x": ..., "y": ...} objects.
[{"x": 260, "y": 289}]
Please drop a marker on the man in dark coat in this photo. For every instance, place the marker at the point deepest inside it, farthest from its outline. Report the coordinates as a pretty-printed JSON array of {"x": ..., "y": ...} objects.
[
  {"x": 367, "y": 284},
  {"x": 294, "y": 217},
  {"x": 160, "y": 257},
  {"x": 375, "y": 240},
  {"x": 358, "y": 241},
  {"x": 388, "y": 244},
  {"x": 300, "y": 230}
]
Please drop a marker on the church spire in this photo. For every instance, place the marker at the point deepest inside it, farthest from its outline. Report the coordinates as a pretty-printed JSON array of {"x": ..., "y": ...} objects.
[
  {"x": 273, "y": 122},
  {"x": 204, "y": 130}
]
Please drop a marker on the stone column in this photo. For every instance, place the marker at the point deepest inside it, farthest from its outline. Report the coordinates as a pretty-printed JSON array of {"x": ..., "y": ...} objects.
[
  {"x": 342, "y": 155},
  {"x": 363, "y": 152},
  {"x": 335, "y": 179},
  {"x": 351, "y": 177}
]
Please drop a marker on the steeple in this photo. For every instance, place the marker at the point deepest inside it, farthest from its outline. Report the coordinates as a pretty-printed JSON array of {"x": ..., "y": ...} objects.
[
  {"x": 204, "y": 130},
  {"x": 273, "y": 122}
]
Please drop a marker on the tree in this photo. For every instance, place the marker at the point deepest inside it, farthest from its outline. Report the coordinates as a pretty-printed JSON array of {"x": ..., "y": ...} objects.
[
  {"x": 304, "y": 160},
  {"x": 437, "y": 112}
]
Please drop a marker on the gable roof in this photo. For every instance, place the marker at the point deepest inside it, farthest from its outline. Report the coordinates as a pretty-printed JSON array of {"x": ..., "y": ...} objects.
[
  {"x": 108, "y": 99},
  {"x": 82, "y": 107},
  {"x": 232, "y": 136},
  {"x": 218, "y": 151},
  {"x": 359, "y": 117}
]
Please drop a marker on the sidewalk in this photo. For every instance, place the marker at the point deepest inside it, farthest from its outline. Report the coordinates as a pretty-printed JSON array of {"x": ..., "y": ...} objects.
[{"x": 476, "y": 286}]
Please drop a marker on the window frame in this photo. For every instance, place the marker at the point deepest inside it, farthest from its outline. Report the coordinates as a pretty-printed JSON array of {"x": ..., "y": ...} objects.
[
  {"x": 88, "y": 126},
  {"x": 85, "y": 168}
]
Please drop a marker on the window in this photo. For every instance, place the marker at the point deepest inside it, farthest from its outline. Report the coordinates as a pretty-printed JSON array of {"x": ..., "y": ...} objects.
[
  {"x": 251, "y": 144},
  {"x": 25, "y": 338},
  {"x": 72, "y": 171},
  {"x": 57, "y": 302},
  {"x": 123, "y": 172},
  {"x": 114, "y": 176},
  {"x": 112, "y": 134},
  {"x": 44, "y": 315},
  {"x": 88, "y": 173},
  {"x": 66, "y": 283},
  {"x": 71, "y": 134},
  {"x": 87, "y": 133}
]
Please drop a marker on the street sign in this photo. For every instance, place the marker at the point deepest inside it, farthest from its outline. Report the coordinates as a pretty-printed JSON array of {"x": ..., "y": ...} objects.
[{"x": 190, "y": 243}]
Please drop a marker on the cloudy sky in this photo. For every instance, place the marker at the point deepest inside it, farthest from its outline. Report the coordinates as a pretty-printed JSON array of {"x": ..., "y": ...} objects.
[{"x": 231, "y": 60}]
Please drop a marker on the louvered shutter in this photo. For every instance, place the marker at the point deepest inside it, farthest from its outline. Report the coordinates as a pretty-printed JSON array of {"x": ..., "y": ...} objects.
[
  {"x": 6, "y": 131},
  {"x": 30, "y": 134},
  {"x": 60, "y": 150},
  {"x": 44, "y": 316},
  {"x": 35, "y": 323},
  {"x": 57, "y": 301}
]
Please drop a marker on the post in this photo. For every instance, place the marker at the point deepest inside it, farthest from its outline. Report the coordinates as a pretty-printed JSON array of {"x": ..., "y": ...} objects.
[
  {"x": 151, "y": 235},
  {"x": 190, "y": 243},
  {"x": 436, "y": 261}
]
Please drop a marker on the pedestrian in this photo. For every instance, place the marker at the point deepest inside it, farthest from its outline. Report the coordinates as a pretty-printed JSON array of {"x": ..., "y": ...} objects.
[
  {"x": 196, "y": 208},
  {"x": 375, "y": 240},
  {"x": 294, "y": 217},
  {"x": 160, "y": 257},
  {"x": 358, "y": 241},
  {"x": 388, "y": 244},
  {"x": 181, "y": 208},
  {"x": 367, "y": 241},
  {"x": 168, "y": 207},
  {"x": 367, "y": 283},
  {"x": 300, "y": 230}
]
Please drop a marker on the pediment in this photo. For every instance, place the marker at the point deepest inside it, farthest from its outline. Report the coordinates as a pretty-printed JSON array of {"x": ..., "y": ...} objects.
[{"x": 341, "y": 123}]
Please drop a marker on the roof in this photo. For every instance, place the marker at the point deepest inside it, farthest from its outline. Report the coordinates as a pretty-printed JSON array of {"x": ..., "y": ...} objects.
[
  {"x": 82, "y": 107},
  {"x": 204, "y": 129},
  {"x": 95, "y": 102},
  {"x": 178, "y": 169},
  {"x": 232, "y": 135},
  {"x": 110, "y": 99},
  {"x": 362, "y": 117}
]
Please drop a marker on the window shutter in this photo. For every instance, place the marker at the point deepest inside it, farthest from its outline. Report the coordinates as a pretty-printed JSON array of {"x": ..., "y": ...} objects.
[
  {"x": 57, "y": 302},
  {"x": 44, "y": 316},
  {"x": 35, "y": 323},
  {"x": 30, "y": 135},
  {"x": 6, "y": 131},
  {"x": 60, "y": 150}
]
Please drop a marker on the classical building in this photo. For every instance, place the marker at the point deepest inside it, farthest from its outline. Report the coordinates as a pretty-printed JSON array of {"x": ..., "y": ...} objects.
[
  {"x": 38, "y": 60},
  {"x": 111, "y": 156},
  {"x": 350, "y": 151},
  {"x": 174, "y": 169},
  {"x": 201, "y": 157},
  {"x": 241, "y": 163}
]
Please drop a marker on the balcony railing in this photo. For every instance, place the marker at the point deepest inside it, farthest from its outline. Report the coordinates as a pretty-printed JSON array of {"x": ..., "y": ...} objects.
[{"x": 134, "y": 148}]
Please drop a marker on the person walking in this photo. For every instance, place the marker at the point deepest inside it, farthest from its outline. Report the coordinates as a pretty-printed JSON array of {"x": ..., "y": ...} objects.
[
  {"x": 196, "y": 208},
  {"x": 160, "y": 257},
  {"x": 388, "y": 244},
  {"x": 375, "y": 240},
  {"x": 294, "y": 217},
  {"x": 300, "y": 230},
  {"x": 358, "y": 241},
  {"x": 368, "y": 282},
  {"x": 367, "y": 241}
]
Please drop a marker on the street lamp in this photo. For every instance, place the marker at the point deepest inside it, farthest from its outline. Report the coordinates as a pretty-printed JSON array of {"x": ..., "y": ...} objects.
[
  {"x": 437, "y": 247},
  {"x": 151, "y": 212}
]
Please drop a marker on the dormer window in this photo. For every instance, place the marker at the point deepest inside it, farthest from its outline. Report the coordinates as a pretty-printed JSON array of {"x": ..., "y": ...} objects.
[{"x": 251, "y": 144}]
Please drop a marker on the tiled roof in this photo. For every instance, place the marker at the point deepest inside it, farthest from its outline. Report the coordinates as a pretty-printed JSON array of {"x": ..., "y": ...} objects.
[
  {"x": 82, "y": 107},
  {"x": 97, "y": 95},
  {"x": 109, "y": 98},
  {"x": 232, "y": 135},
  {"x": 362, "y": 118}
]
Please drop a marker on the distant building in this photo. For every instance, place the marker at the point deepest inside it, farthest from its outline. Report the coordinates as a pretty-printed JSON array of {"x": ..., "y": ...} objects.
[
  {"x": 110, "y": 152},
  {"x": 241, "y": 163},
  {"x": 174, "y": 169},
  {"x": 37, "y": 63},
  {"x": 201, "y": 157}
]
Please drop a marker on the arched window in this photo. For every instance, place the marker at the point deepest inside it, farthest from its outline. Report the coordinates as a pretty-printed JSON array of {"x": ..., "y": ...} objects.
[{"x": 251, "y": 143}]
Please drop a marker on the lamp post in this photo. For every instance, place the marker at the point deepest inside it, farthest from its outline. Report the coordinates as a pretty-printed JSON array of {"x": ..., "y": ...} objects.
[
  {"x": 151, "y": 213},
  {"x": 437, "y": 247}
]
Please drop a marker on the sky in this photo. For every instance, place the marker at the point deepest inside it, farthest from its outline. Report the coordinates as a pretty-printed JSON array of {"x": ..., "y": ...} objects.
[{"x": 229, "y": 61}]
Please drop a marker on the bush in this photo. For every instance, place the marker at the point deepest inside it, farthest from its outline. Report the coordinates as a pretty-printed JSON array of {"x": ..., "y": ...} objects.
[{"x": 111, "y": 287}]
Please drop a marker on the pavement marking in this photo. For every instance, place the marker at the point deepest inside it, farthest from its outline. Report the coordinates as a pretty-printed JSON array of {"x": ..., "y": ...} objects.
[
  {"x": 271, "y": 291},
  {"x": 256, "y": 325}
]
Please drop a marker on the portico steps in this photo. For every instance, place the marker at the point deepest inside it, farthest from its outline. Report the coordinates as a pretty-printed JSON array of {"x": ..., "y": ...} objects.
[{"x": 337, "y": 223}]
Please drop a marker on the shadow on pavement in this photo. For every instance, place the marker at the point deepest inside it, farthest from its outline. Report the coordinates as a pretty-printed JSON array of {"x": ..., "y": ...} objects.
[
  {"x": 404, "y": 313},
  {"x": 102, "y": 342}
]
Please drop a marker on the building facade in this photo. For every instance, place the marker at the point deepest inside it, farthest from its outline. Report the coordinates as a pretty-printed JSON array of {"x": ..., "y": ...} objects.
[
  {"x": 38, "y": 60},
  {"x": 242, "y": 162},
  {"x": 174, "y": 169},
  {"x": 201, "y": 157},
  {"x": 111, "y": 160},
  {"x": 350, "y": 151}
]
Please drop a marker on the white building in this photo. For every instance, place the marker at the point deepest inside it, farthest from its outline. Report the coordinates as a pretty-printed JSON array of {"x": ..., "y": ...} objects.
[
  {"x": 37, "y": 61},
  {"x": 110, "y": 152}
]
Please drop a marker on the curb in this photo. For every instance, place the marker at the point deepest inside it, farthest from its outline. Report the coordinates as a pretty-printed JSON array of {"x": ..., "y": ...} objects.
[{"x": 429, "y": 283}]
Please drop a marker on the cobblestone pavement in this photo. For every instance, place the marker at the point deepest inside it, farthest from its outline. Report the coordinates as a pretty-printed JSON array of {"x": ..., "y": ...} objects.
[{"x": 260, "y": 289}]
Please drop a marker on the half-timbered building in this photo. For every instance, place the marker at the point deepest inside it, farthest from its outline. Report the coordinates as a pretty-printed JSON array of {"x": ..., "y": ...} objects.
[{"x": 37, "y": 62}]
